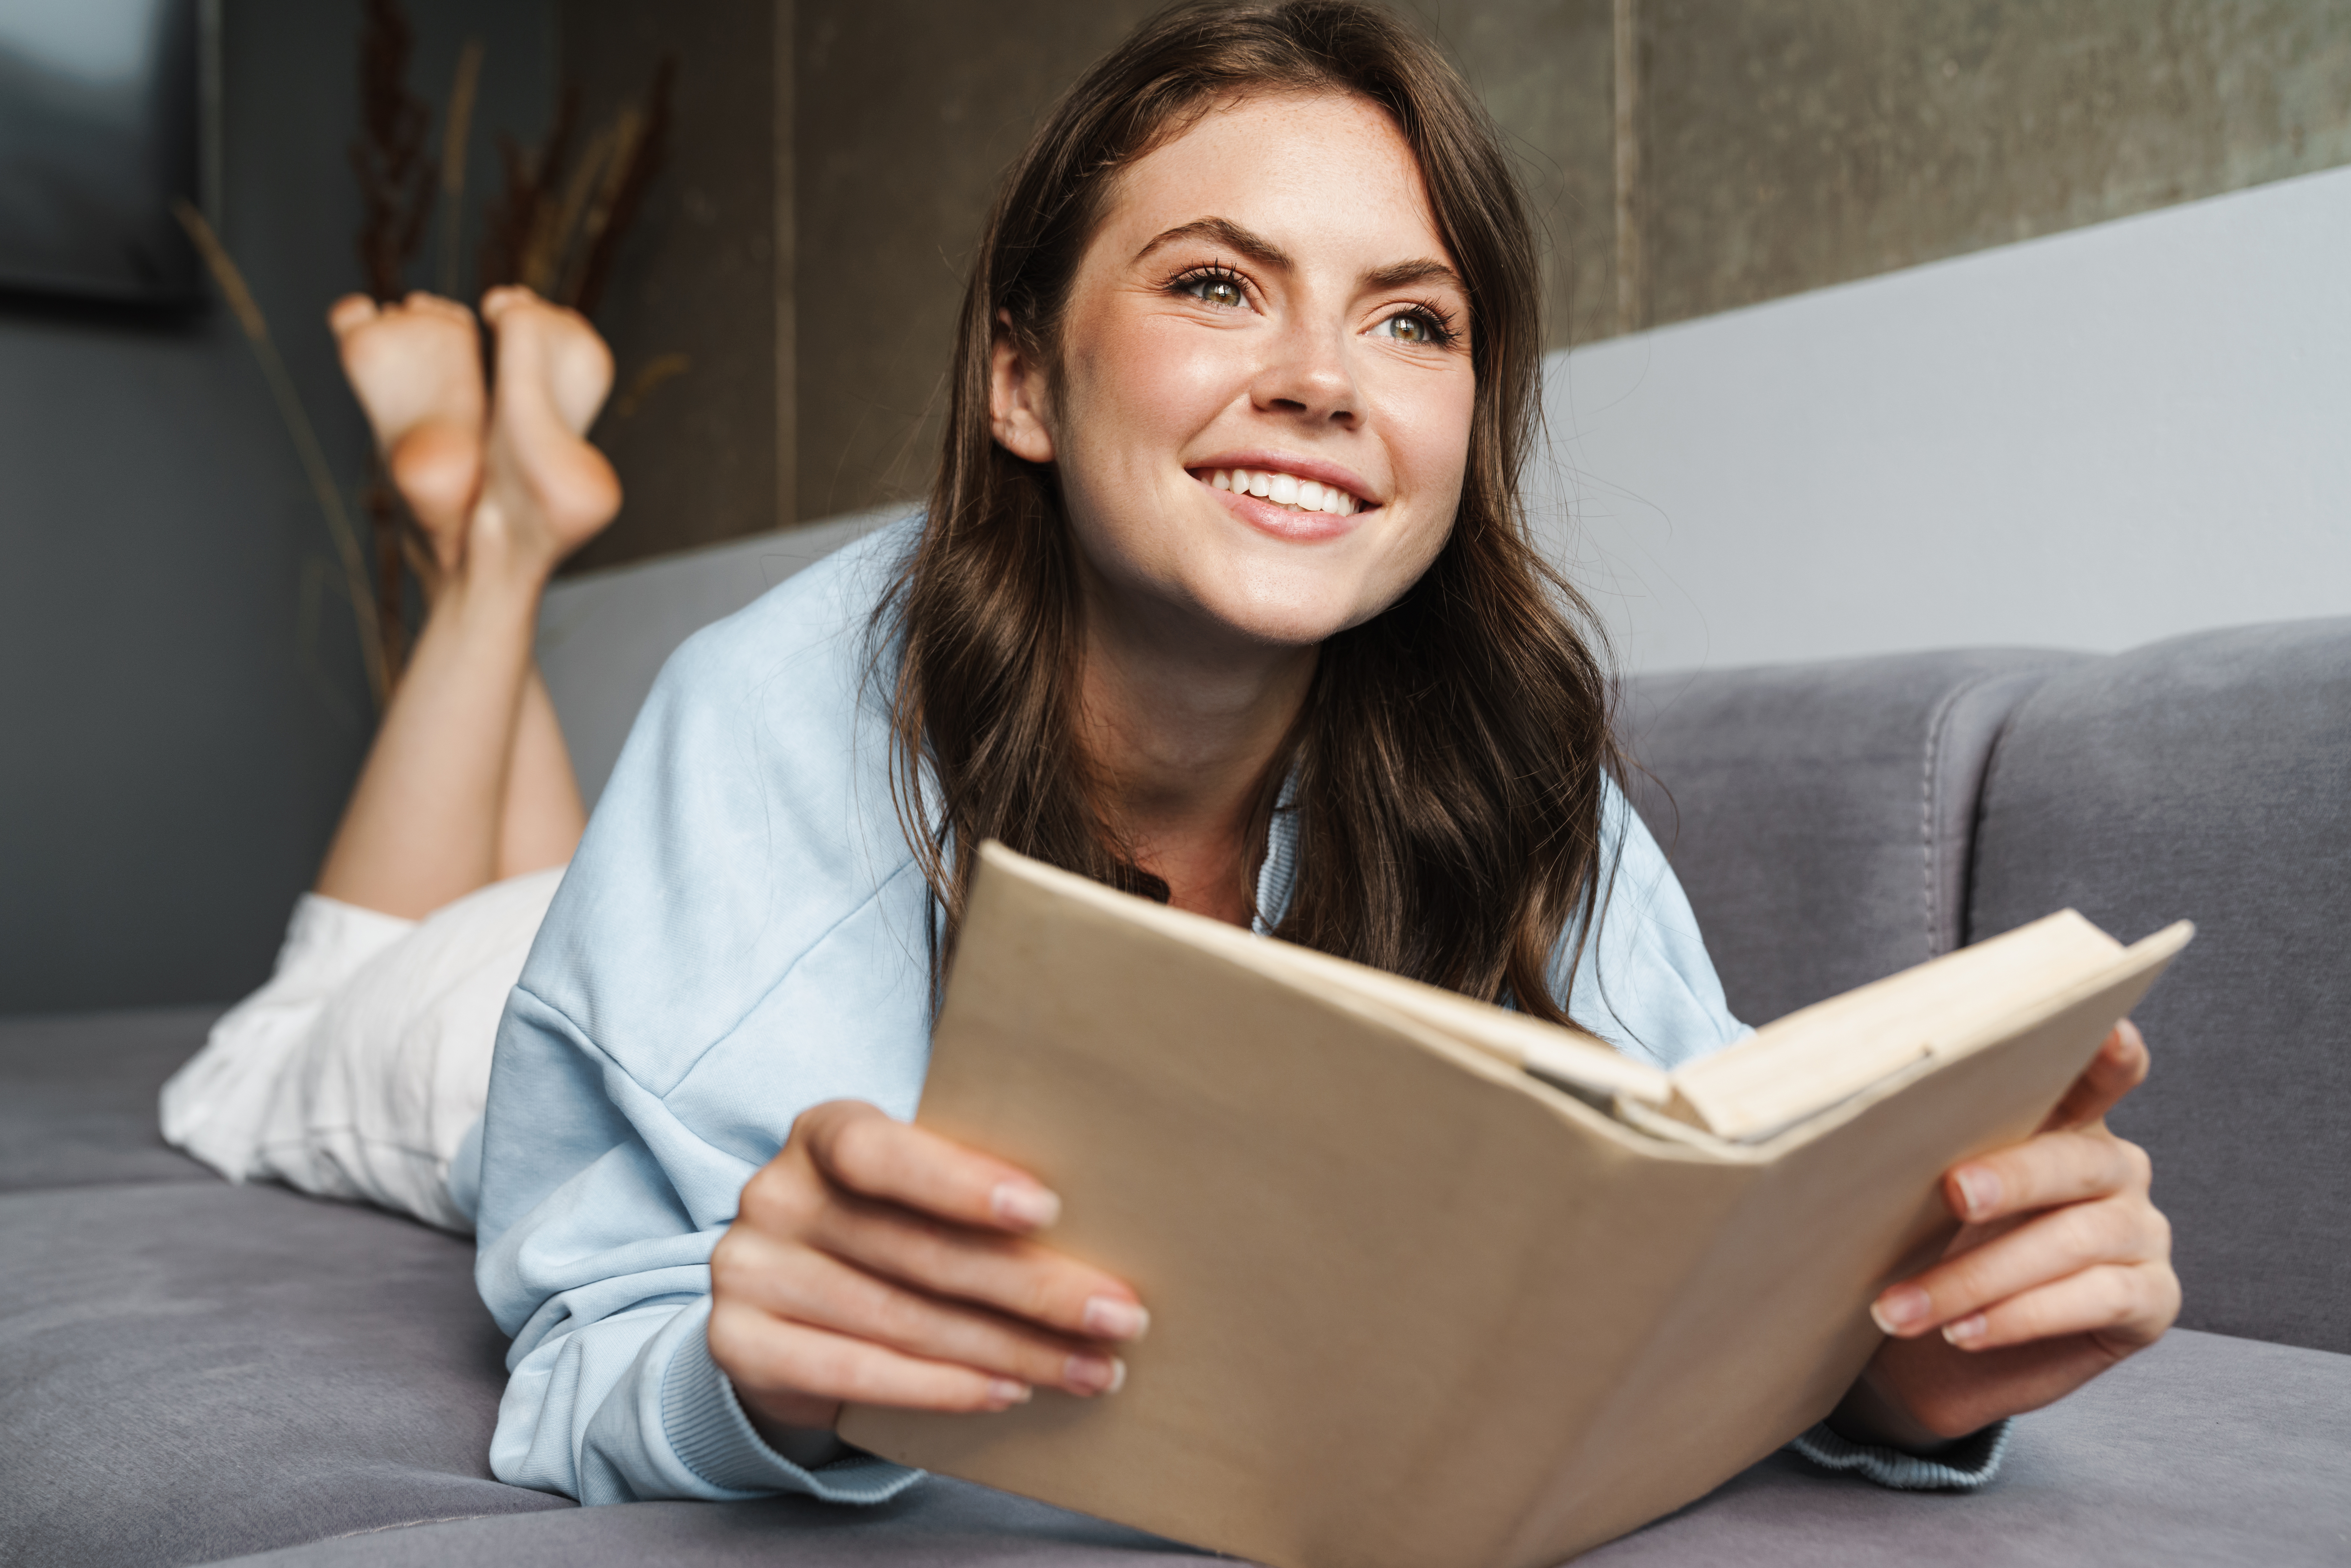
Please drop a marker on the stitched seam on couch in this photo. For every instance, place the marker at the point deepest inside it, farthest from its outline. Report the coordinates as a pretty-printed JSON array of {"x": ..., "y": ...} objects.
[
  {"x": 1937, "y": 729},
  {"x": 412, "y": 1524}
]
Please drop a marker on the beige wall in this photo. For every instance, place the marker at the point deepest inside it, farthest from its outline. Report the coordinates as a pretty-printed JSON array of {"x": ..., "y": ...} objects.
[
  {"x": 1793, "y": 143},
  {"x": 705, "y": 454},
  {"x": 906, "y": 114},
  {"x": 1775, "y": 146}
]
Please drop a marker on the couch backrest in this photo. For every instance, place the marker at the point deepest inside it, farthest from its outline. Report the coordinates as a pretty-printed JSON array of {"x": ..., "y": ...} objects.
[
  {"x": 2208, "y": 776},
  {"x": 1821, "y": 816},
  {"x": 604, "y": 635}
]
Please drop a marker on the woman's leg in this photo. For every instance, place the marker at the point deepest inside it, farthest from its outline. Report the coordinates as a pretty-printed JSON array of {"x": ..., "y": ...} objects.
[
  {"x": 468, "y": 744},
  {"x": 542, "y": 818},
  {"x": 561, "y": 373}
]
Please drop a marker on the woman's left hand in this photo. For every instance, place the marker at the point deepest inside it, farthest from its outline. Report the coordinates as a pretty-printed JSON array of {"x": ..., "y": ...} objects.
[{"x": 2060, "y": 1269}]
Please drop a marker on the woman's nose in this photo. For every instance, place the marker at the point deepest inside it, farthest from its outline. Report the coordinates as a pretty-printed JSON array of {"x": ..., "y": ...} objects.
[{"x": 1308, "y": 375}]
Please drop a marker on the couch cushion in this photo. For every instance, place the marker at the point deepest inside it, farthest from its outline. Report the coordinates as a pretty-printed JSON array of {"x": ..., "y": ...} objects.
[
  {"x": 79, "y": 1100},
  {"x": 194, "y": 1369},
  {"x": 1820, "y": 815},
  {"x": 2209, "y": 777},
  {"x": 2203, "y": 1449},
  {"x": 940, "y": 1523}
]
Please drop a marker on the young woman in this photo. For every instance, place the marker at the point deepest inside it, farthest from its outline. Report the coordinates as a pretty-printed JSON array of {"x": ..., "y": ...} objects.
[{"x": 1223, "y": 596}]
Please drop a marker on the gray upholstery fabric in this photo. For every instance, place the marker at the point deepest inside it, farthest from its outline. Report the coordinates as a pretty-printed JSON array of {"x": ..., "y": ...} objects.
[
  {"x": 78, "y": 1105},
  {"x": 2210, "y": 778},
  {"x": 2203, "y": 1449},
  {"x": 195, "y": 1370},
  {"x": 938, "y": 1524},
  {"x": 1820, "y": 815}
]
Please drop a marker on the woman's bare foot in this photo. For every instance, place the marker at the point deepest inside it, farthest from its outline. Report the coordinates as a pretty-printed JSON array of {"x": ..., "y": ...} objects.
[
  {"x": 417, "y": 369},
  {"x": 546, "y": 491}
]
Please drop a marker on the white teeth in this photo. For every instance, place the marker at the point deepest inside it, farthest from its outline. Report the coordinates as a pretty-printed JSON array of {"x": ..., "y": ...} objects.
[{"x": 1286, "y": 490}]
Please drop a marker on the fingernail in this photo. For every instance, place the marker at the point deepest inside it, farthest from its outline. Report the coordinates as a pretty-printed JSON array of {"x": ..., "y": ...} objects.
[
  {"x": 1024, "y": 1205},
  {"x": 1978, "y": 1190},
  {"x": 1094, "y": 1374},
  {"x": 1107, "y": 1317},
  {"x": 1968, "y": 1330},
  {"x": 1003, "y": 1391},
  {"x": 1898, "y": 1308}
]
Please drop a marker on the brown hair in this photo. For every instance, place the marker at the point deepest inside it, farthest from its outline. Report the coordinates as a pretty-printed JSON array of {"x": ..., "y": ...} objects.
[{"x": 1450, "y": 758}]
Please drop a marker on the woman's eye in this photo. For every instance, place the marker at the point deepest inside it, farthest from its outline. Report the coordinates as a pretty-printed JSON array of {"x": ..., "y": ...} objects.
[
  {"x": 1215, "y": 289},
  {"x": 1413, "y": 327}
]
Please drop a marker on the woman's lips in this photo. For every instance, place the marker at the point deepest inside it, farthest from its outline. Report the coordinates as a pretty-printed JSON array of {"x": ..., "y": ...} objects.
[
  {"x": 1284, "y": 522},
  {"x": 1288, "y": 497},
  {"x": 1284, "y": 489}
]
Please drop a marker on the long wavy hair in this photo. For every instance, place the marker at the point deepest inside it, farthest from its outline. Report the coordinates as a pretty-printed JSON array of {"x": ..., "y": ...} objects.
[{"x": 1447, "y": 769}]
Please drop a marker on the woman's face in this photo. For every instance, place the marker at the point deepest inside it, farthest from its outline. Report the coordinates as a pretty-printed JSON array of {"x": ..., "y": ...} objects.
[{"x": 1264, "y": 407}]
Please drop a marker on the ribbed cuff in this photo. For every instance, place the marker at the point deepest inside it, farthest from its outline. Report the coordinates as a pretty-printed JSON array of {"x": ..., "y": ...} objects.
[
  {"x": 1963, "y": 1467},
  {"x": 711, "y": 1436}
]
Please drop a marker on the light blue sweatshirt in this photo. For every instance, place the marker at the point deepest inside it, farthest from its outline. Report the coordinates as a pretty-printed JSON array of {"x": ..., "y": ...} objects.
[{"x": 742, "y": 935}]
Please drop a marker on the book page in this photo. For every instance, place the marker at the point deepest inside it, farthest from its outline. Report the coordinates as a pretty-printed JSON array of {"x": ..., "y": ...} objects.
[{"x": 1800, "y": 1065}]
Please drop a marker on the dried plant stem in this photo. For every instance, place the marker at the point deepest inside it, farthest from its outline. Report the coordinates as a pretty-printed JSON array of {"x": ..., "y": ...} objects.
[
  {"x": 305, "y": 442},
  {"x": 456, "y": 135}
]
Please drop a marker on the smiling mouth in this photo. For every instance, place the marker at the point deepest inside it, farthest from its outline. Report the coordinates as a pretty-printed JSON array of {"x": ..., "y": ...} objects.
[{"x": 1284, "y": 490}]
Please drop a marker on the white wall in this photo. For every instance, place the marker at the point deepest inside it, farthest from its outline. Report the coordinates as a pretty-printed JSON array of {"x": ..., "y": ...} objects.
[{"x": 2089, "y": 441}]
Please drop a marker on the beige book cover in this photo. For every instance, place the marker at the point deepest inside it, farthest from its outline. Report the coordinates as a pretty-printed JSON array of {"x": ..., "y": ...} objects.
[{"x": 1415, "y": 1306}]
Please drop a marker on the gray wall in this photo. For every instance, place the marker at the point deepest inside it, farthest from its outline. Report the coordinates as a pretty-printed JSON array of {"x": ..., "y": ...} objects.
[
  {"x": 702, "y": 294},
  {"x": 178, "y": 737}
]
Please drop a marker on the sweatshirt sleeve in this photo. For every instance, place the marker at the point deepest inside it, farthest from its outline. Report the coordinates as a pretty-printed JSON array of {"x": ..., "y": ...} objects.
[
  {"x": 740, "y": 936},
  {"x": 1643, "y": 983},
  {"x": 1963, "y": 1467}
]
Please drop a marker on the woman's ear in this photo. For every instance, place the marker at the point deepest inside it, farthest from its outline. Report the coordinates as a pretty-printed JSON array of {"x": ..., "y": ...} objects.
[{"x": 1016, "y": 397}]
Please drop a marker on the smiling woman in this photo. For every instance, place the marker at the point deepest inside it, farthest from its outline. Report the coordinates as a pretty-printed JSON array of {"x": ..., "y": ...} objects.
[
  {"x": 1223, "y": 596},
  {"x": 1311, "y": 271}
]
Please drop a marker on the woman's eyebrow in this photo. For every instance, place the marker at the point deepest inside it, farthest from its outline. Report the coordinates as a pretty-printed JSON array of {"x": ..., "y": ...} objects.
[
  {"x": 1405, "y": 274},
  {"x": 1226, "y": 232},
  {"x": 1265, "y": 253}
]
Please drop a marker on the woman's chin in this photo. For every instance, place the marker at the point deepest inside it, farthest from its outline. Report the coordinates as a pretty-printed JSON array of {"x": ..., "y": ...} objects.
[{"x": 1289, "y": 620}]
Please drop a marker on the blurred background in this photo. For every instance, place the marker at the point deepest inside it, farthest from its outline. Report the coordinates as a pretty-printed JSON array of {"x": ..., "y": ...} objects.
[{"x": 1875, "y": 326}]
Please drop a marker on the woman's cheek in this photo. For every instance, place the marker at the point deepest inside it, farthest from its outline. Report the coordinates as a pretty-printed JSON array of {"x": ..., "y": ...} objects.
[{"x": 1145, "y": 364}]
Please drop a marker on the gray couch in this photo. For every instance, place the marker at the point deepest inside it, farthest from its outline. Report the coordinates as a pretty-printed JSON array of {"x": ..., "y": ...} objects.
[{"x": 197, "y": 1373}]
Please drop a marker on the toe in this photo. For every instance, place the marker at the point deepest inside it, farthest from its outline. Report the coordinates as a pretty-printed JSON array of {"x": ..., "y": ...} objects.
[
  {"x": 504, "y": 298},
  {"x": 436, "y": 305},
  {"x": 349, "y": 312}
]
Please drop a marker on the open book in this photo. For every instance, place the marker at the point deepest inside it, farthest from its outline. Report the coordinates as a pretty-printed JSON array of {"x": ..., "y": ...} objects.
[{"x": 1434, "y": 1284}]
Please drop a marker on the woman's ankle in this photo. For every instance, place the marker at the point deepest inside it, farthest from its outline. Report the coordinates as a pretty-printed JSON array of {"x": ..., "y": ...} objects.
[{"x": 495, "y": 584}]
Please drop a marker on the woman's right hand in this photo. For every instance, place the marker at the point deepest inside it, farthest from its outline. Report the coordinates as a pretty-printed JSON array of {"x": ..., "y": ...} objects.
[{"x": 871, "y": 1260}]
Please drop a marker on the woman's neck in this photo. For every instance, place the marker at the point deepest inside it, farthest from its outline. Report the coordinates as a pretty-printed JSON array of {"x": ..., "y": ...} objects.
[{"x": 1180, "y": 732}]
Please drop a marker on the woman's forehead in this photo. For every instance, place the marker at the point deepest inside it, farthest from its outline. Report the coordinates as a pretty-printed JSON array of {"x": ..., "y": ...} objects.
[{"x": 1312, "y": 171}]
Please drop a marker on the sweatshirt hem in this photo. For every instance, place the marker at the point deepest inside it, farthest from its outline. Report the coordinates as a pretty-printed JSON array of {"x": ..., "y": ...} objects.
[
  {"x": 1964, "y": 1467},
  {"x": 714, "y": 1439}
]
